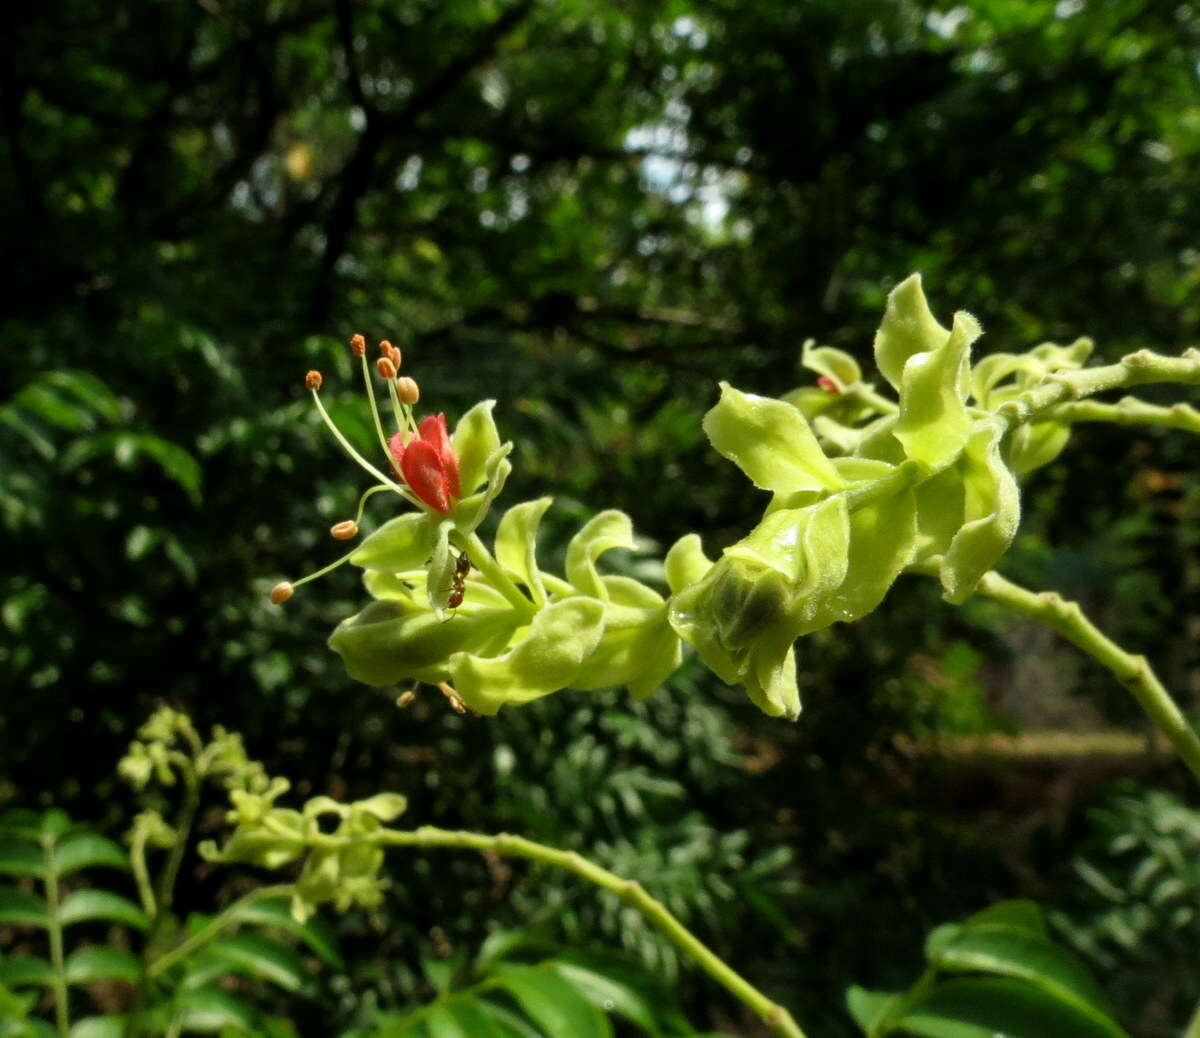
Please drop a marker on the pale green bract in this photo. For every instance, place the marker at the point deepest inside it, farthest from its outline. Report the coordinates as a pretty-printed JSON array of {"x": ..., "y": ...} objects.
[{"x": 863, "y": 486}]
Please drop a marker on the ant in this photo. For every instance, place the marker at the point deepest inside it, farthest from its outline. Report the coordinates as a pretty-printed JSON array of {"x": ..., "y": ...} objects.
[{"x": 458, "y": 587}]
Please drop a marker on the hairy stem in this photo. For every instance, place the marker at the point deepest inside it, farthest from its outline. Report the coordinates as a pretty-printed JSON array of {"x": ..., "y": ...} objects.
[
  {"x": 54, "y": 932},
  {"x": 215, "y": 927},
  {"x": 866, "y": 395},
  {"x": 482, "y": 560},
  {"x": 1137, "y": 369},
  {"x": 1134, "y": 672},
  {"x": 630, "y": 892},
  {"x": 141, "y": 873},
  {"x": 165, "y": 893},
  {"x": 1128, "y": 411}
]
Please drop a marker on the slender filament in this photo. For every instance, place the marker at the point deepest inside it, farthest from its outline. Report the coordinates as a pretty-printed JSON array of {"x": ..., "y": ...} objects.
[
  {"x": 366, "y": 371},
  {"x": 337, "y": 433}
]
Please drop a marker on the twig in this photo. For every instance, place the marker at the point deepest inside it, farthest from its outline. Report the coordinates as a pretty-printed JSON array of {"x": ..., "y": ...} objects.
[
  {"x": 1134, "y": 672},
  {"x": 630, "y": 892}
]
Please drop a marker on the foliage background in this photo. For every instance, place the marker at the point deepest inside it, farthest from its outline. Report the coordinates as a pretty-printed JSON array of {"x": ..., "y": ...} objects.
[{"x": 590, "y": 211}]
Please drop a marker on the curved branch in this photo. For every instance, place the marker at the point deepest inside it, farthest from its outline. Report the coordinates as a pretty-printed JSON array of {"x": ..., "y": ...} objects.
[
  {"x": 1134, "y": 672},
  {"x": 630, "y": 892}
]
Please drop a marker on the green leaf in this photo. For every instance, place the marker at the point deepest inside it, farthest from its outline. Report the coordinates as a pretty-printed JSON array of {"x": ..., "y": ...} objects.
[
  {"x": 933, "y": 424},
  {"x": 686, "y": 562},
  {"x": 1017, "y": 914},
  {"x": 100, "y": 904},
  {"x": 560, "y": 638},
  {"x": 992, "y": 512},
  {"x": 770, "y": 441},
  {"x": 20, "y": 908},
  {"x": 551, "y": 1002},
  {"x": 439, "y": 972},
  {"x": 509, "y": 1023},
  {"x": 870, "y": 1008},
  {"x": 86, "y": 851},
  {"x": 475, "y": 440},
  {"x": 470, "y": 1016},
  {"x": 999, "y": 1007},
  {"x": 604, "y": 531},
  {"x": 21, "y": 825},
  {"x": 125, "y": 447},
  {"x": 516, "y": 544},
  {"x": 99, "y": 1027},
  {"x": 211, "y": 1009},
  {"x": 18, "y": 858},
  {"x": 19, "y": 971},
  {"x": 440, "y": 1022},
  {"x": 102, "y": 963},
  {"x": 277, "y": 914},
  {"x": 608, "y": 992},
  {"x": 260, "y": 957},
  {"x": 908, "y": 328},
  {"x": 403, "y": 543},
  {"x": 995, "y": 948}
]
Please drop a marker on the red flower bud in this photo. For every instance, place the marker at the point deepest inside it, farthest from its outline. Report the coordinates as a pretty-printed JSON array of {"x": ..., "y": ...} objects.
[{"x": 428, "y": 464}]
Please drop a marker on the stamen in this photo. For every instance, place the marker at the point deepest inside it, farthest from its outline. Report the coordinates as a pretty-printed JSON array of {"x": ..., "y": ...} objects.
[
  {"x": 366, "y": 374},
  {"x": 358, "y": 345},
  {"x": 452, "y": 697},
  {"x": 313, "y": 380},
  {"x": 404, "y": 415},
  {"x": 362, "y": 501},
  {"x": 390, "y": 351},
  {"x": 385, "y": 367},
  {"x": 405, "y": 698},
  {"x": 281, "y": 592},
  {"x": 337, "y": 433},
  {"x": 408, "y": 390},
  {"x": 344, "y": 530},
  {"x": 320, "y": 573}
]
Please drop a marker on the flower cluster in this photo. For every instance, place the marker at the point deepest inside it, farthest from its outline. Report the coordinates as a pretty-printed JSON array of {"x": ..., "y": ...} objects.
[{"x": 863, "y": 486}]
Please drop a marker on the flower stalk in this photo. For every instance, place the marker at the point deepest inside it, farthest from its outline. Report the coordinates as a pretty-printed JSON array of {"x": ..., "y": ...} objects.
[{"x": 1132, "y": 671}]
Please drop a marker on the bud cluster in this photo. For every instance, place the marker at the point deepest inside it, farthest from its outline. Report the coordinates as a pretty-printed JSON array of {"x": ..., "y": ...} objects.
[{"x": 340, "y": 862}]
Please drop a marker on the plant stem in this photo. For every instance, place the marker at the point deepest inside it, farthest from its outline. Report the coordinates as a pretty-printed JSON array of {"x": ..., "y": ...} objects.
[
  {"x": 482, "y": 560},
  {"x": 866, "y": 395},
  {"x": 1128, "y": 411},
  {"x": 630, "y": 892},
  {"x": 141, "y": 873},
  {"x": 165, "y": 893},
  {"x": 1137, "y": 369},
  {"x": 1134, "y": 672},
  {"x": 214, "y": 927},
  {"x": 62, "y": 1017},
  {"x": 183, "y": 829}
]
